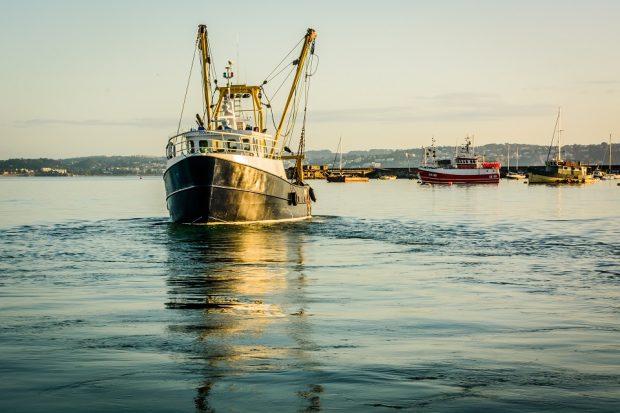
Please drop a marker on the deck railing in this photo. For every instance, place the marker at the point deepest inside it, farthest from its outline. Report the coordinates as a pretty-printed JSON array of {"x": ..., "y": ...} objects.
[{"x": 204, "y": 142}]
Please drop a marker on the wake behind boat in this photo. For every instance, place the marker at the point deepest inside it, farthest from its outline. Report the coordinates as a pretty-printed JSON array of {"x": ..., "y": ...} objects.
[
  {"x": 229, "y": 170},
  {"x": 465, "y": 168}
]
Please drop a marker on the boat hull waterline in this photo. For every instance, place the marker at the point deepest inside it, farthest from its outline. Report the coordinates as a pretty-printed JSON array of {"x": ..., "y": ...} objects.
[
  {"x": 458, "y": 176},
  {"x": 205, "y": 189},
  {"x": 554, "y": 177}
]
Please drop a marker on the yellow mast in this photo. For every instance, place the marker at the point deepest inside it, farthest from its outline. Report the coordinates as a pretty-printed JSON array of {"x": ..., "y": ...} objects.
[
  {"x": 204, "y": 47},
  {"x": 309, "y": 38}
]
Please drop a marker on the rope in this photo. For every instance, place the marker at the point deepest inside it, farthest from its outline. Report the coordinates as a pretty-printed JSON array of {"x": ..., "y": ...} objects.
[
  {"x": 281, "y": 61},
  {"x": 290, "y": 123},
  {"x": 290, "y": 127},
  {"x": 553, "y": 137},
  {"x": 284, "y": 81},
  {"x": 273, "y": 120},
  {"x": 269, "y": 78},
  {"x": 309, "y": 74},
  {"x": 213, "y": 75},
  {"x": 278, "y": 74},
  {"x": 274, "y": 95},
  {"x": 187, "y": 87}
]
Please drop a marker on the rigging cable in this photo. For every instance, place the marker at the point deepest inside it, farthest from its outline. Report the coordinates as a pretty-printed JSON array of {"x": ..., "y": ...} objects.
[
  {"x": 213, "y": 75},
  {"x": 268, "y": 105},
  {"x": 302, "y": 138},
  {"x": 187, "y": 87},
  {"x": 297, "y": 101},
  {"x": 267, "y": 79},
  {"x": 553, "y": 137},
  {"x": 275, "y": 94}
]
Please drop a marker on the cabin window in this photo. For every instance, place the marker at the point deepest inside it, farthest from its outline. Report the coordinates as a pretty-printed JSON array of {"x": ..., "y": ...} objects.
[
  {"x": 190, "y": 146},
  {"x": 203, "y": 145},
  {"x": 171, "y": 150},
  {"x": 232, "y": 145},
  {"x": 246, "y": 144}
]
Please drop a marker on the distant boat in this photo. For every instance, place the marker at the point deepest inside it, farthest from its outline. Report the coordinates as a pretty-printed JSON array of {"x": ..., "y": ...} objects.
[
  {"x": 387, "y": 177},
  {"x": 341, "y": 176},
  {"x": 557, "y": 171},
  {"x": 610, "y": 174},
  {"x": 465, "y": 168},
  {"x": 229, "y": 170},
  {"x": 510, "y": 174},
  {"x": 598, "y": 174}
]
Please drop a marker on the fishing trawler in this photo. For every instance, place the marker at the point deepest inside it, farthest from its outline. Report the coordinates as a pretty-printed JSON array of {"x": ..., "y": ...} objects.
[
  {"x": 465, "y": 168},
  {"x": 557, "y": 171},
  {"x": 229, "y": 169}
]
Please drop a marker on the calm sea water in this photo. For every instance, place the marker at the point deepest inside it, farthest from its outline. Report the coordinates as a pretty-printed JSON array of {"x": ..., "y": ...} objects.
[{"x": 395, "y": 296}]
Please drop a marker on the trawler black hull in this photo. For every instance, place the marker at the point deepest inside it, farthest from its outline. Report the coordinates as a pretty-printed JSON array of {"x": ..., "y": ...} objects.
[{"x": 207, "y": 189}]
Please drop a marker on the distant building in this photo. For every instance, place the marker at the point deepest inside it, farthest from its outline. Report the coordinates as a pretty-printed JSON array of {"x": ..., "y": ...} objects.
[{"x": 52, "y": 171}]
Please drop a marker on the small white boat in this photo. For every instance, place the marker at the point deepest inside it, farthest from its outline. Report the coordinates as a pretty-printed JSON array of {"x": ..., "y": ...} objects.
[{"x": 510, "y": 174}]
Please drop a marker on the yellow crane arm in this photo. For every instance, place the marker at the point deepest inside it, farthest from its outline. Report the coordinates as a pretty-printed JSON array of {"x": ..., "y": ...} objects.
[
  {"x": 309, "y": 38},
  {"x": 206, "y": 61}
]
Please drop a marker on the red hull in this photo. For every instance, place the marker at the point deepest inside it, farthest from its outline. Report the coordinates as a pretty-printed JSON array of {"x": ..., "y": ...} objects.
[{"x": 474, "y": 176}]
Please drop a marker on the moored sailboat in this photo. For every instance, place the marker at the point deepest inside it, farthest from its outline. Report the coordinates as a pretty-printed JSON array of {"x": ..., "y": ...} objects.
[
  {"x": 609, "y": 174},
  {"x": 344, "y": 176},
  {"x": 516, "y": 174},
  {"x": 229, "y": 170}
]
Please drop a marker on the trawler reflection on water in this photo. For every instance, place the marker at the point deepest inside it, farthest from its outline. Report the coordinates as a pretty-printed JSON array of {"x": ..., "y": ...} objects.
[{"x": 240, "y": 292}]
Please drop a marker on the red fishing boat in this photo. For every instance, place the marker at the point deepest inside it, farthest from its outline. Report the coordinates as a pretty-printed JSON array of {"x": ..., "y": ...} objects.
[{"x": 465, "y": 168}]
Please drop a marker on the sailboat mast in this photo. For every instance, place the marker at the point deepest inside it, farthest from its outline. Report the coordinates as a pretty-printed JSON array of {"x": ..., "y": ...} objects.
[
  {"x": 203, "y": 45},
  {"x": 309, "y": 39},
  {"x": 517, "y": 159},
  {"x": 609, "y": 153},
  {"x": 508, "y": 158},
  {"x": 559, "y": 155}
]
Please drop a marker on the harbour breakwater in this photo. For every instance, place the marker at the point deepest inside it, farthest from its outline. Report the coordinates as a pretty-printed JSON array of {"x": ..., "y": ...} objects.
[{"x": 321, "y": 172}]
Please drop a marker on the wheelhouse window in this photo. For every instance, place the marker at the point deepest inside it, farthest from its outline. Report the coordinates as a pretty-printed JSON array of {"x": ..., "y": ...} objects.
[{"x": 203, "y": 145}]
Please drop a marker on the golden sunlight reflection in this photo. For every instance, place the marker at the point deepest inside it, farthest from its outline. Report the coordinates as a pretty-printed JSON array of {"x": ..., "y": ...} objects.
[{"x": 240, "y": 295}]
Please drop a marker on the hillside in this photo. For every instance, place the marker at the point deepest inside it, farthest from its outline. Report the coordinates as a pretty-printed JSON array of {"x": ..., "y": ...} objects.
[{"x": 529, "y": 155}]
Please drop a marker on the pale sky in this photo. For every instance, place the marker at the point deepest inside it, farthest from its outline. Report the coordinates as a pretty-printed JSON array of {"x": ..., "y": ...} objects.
[{"x": 108, "y": 77}]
